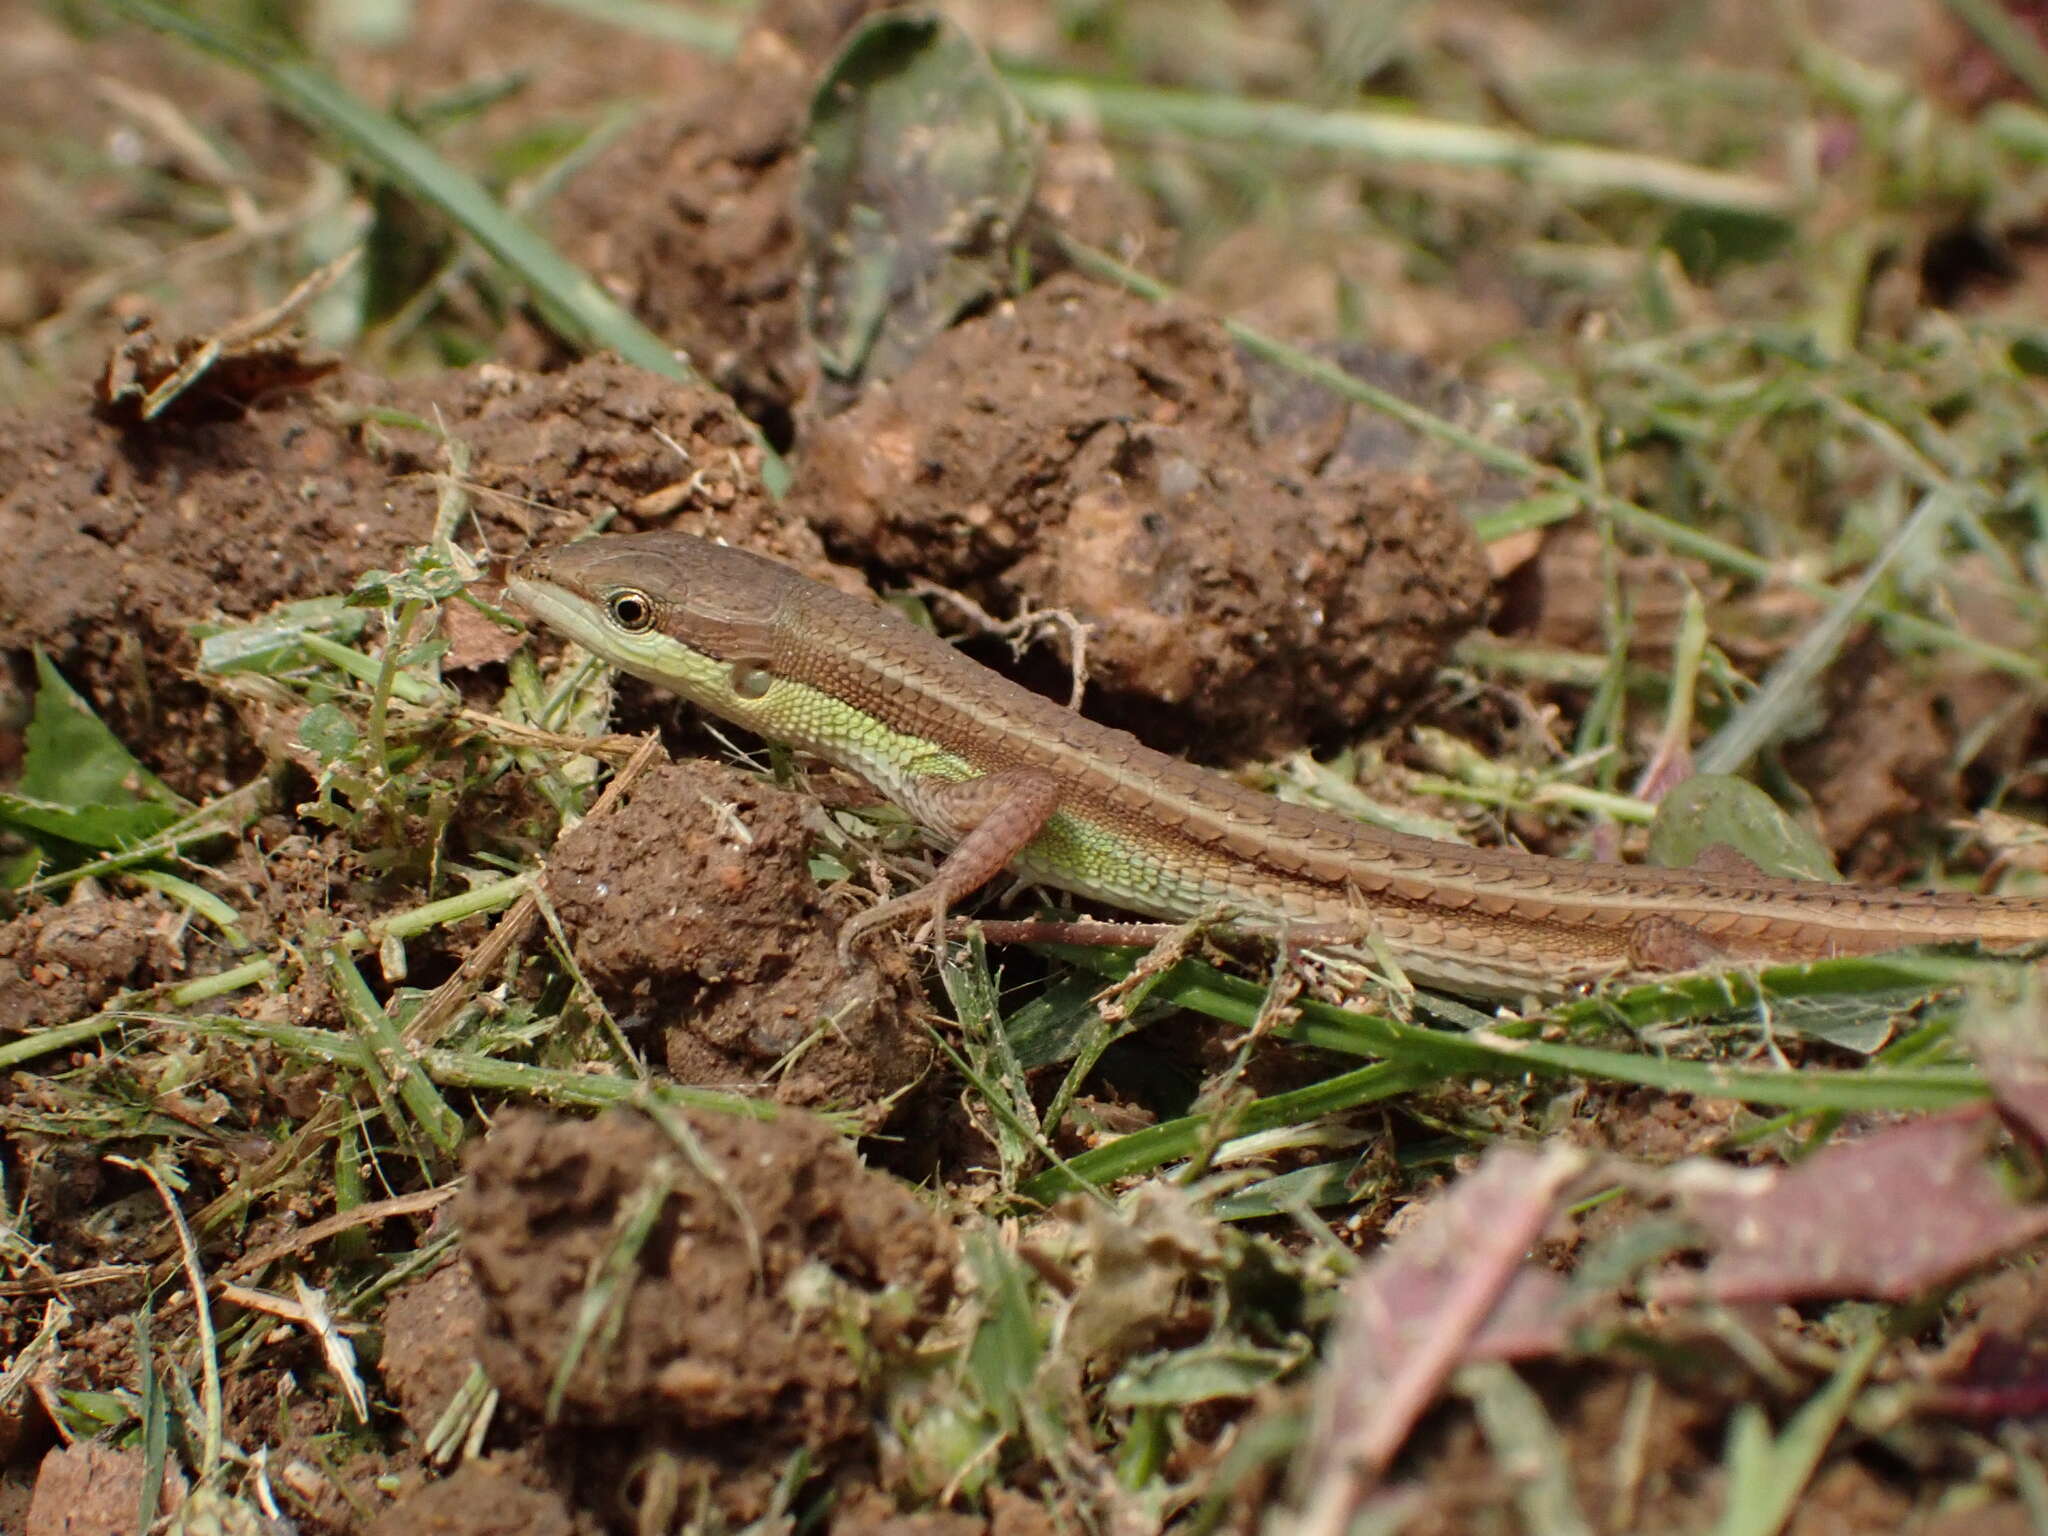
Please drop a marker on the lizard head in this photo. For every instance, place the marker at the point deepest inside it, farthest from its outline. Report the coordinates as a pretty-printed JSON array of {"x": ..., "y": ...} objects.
[{"x": 678, "y": 610}]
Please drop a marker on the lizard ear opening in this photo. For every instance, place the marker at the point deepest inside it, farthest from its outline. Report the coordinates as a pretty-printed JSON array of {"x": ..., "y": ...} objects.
[{"x": 750, "y": 680}]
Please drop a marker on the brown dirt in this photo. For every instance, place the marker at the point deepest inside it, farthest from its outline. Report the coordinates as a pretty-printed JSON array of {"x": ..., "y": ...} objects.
[
  {"x": 1263, "y": 564},
  {"x": 1559, "y": 598},
  {"x": 1877, "y": 757},
  {"x": 1085, "y": 451},
  {"x": 1882, "y": 755},
  {"x": 95, "y": 96},
  {"x": 1462, "y": 1481},
  {"x": 710, "y": 263},
  {"x": 872, "y": 1515},
  {"x": 133, "y": 533},
  {"x": 59, "y": 963},
  {"x": 483, "y": 1497},
  {"x": 1308, "y": 429},
  {"x": 1653, "y": 1128},
  {"x": 91, "y": 1489},
  {"x": 562, "y": 65},
  {"x": 710, "y": 1356},
  {"x": 693, "y": 913},
  {"x": 430, "y": 1332}
]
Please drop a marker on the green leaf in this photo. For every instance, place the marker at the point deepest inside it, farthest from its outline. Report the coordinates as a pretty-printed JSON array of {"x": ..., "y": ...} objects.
[
  {"x": 1321, "y": 1184},
  {"x": 194, "y": 898},
  {"x": 1521, "y": 1434},
  {"x": 919, "y": 168},
  {"x": 87, "y": 1414},
  {"x": 1004, "y": 1356},
  {"x": 155, "y": 1414},
  {"x": 329, "y": 732},
  {"x": 79, "y": 785},
  {"x": 2030, "y": 354},
  {"x": 1715, "y": 808},
  {"x": 1709, "y": 240},
  {"x": 106, "y": 827},
  {"x": 1765, "y": 1475},
  {"x": 429, "y": 578},
  {"x": 274, "y": 641},
  {"x": 1537, "y": 511},
  {"x": 74, "y": 760},
  {"x": 1056, "y": 1024},
  {"x": 1863, "y": 1024},
  {"x": 23, "y": 867},
  {"x": 1198, "y": 1375}
]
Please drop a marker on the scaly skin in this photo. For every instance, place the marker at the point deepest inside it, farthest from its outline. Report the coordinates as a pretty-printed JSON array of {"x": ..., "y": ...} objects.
[{"x": 1015, "y": 780}]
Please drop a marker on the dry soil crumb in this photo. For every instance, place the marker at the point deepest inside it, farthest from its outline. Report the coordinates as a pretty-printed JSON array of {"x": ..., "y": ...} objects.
[
  {"x": 60, "y": 963},
  {"x": 711, "y": 1354},
  {"x": 1560, "y": 598},
  {"x": 1881, "y": 759},
  {"x": 1306, "y": 427},
  {"x": 1084, "y": 450},
  {"x": 873, "y": 1513},
  {"x": 90, "y": 1489},
  {"x": 480, "y": 1498},
  {"x": 430, "y": 1331},
  {"x": 693, "y": 909},
  {"x": 295, "y": 876}
]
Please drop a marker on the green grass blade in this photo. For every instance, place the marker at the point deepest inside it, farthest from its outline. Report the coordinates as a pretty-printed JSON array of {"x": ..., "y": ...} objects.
[
  {"x": 2016, "y": 47},
  {"x": 1584, "y": 170},
  {"x": 1769, "y": 712},
  {"x": 1507, "y": 1048},
  {"x": 1766, "y": 1476},
  {"x": 393, "y": 1062},
  {"x": 1172, "y": 1140},
  {"x": 717, "y": 35}
]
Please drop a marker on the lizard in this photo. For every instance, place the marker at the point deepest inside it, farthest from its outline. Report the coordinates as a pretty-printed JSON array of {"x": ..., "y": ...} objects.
[{"x": 1013, "y": 780}]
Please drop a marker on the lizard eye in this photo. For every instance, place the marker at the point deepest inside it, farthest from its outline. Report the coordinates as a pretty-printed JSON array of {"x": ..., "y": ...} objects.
[{"x": 631, "y": 610}]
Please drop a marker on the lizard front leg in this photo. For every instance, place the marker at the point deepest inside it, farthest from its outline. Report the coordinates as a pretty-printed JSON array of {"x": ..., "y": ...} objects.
[{"x": 992, "y": 818}]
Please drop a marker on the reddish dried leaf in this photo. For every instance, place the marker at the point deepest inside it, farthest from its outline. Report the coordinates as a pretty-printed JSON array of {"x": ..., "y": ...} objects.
[
  {"x": 1887, "y": 1216},
  {"x": 147, "y": 378},
  {"x": 1533, "y": 1318},
  {"x": 1411, "y": 1314},
  {"x": 2019, "y": 1086},
  {"x": 2004, "y": 1377}
]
